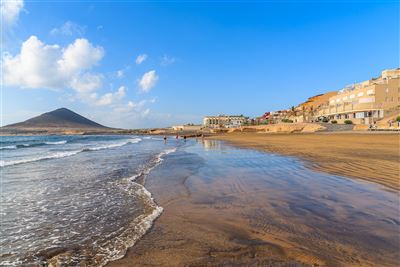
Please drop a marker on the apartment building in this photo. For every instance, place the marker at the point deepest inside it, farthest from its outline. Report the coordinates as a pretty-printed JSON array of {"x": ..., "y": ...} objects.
[
  {"x": 187, "y": 127},
  {"x": 365, "y": 102},
  {"x": 224, "y": 121}
]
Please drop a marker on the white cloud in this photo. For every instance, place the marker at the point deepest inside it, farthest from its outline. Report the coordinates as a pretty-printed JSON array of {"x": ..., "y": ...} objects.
[
  {"x": 69, "y": 28},
  {"x": 10, "y": 10},
  {"x": 87, "y": 82},
  {"x": 140, "y": 58},
  {"x": 148, "y": 81},
  {"x": 167, "y": 60},
  {"x": 111, "y": 98},
  {"x": 39, "y": 65},
  {"x": 120, "y": 73},
  {"x": 145, "y": 112},
  {"x": 130, "y": 106}
]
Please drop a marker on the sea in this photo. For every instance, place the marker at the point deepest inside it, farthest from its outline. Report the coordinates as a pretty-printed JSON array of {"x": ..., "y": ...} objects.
[{"x": 75, "y": 200}]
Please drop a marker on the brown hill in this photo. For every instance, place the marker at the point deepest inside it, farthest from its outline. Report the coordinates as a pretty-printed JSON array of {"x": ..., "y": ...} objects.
[{"x": 59, "y": 118}]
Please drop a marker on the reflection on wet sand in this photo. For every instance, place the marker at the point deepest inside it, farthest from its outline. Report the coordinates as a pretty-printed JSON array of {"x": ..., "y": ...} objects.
[
  {"x": 231, "y": 206},
  {"x": 211, "y": 144}
]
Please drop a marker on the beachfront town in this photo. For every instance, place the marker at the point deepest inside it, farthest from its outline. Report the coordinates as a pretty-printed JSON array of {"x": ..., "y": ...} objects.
[{"x": 373, "y": 103}]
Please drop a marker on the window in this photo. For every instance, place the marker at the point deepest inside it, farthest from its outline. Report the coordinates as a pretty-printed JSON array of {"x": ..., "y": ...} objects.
[
  {"x": 367, "y": 100},
  {"x": 360, "y": 115}
]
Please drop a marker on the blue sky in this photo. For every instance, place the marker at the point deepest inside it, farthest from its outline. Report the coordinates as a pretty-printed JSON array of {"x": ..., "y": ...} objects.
[{"x": 153, "y": 64}]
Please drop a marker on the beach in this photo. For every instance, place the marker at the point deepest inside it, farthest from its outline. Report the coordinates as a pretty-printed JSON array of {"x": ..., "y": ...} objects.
[
  {"x": 373, "y": 157},
  {"x": 296, "y": 205}
]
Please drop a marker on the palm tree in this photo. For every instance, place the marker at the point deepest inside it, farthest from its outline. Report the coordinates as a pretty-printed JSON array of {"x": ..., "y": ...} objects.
[
  {"x": 303, "y": 111},
  {"x": 312, "y": 112},
  {"x": 293, "y": 111}
]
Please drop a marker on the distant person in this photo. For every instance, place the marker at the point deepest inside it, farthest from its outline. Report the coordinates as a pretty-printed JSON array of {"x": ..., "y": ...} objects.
[
  {"x": 177, "y": 136},
  {"x": 165, "y": 139},
  {"x": 184, "y": 138}
]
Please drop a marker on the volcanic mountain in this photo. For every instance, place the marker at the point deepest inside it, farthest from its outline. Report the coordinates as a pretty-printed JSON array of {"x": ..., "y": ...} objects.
[{"x": 62, "y": 118}]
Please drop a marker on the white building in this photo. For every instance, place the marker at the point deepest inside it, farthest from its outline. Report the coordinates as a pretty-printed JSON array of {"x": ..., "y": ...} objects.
[{"x": 224, "y": 121}]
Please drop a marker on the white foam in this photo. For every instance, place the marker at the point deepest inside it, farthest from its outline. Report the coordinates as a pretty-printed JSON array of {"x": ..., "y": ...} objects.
[
  {"x": 56, "y": 143},
  {"x": 131, "y": 141},
  {"x": 159, "y": 159},
  {"x": 143, "y": 223},
  {"x": 66, "y": 153},
  {"x": 8, "y": 147},
  {"x": 50, "y": 156},
  {"x": 140, "y": 227}
]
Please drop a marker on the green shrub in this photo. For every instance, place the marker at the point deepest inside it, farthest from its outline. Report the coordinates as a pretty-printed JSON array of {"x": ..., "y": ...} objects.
[
  {"x": 348, "y": 122},
  {"x": 398, "y": 118},
  {"x": 287, "y": 121},
  {"x": 333, "y": 122}
]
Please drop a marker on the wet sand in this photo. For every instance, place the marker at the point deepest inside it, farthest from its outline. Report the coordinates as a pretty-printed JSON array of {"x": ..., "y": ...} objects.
[
  {"x": 232, "y": 207},
  {"x": 372, "y": 157}
]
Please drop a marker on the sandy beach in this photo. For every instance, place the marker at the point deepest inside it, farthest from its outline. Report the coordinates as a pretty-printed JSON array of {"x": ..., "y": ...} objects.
[
  {"x": 250, "y": 208},
  {"x": 372, "y": 157}
]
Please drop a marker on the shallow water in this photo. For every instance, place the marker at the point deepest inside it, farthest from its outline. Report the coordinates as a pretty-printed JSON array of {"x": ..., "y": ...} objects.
[
  {"x": 268, "y": 208},
  {"x": 73, "y": 199}
]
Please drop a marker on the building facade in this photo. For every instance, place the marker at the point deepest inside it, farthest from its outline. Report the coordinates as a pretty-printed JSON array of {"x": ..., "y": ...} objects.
[
  {"x": 187, "y": 127},
  {"x": 224, "y": 121},
  {"x": 365, "y": 102}
]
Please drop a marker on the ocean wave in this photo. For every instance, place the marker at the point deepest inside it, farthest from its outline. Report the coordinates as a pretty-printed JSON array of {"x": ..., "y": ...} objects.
[
  {"x": 8, "y": 147},
  {"x": 56, "y": 143},
  {"x": 136, "y": 230},
  {"x": 50, "y": 156},
  {"x": 131, "y": 141},
  {"x": 63, "y": 154},
  {"x": 27, "y": 145},
  {"x": 140, "y": 225},
  {"x": 153, "y": 163}
]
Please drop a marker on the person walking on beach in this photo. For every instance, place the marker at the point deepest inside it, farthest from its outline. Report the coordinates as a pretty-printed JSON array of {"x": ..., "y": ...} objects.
[
  {"x": 165, "y": 139},
  {"x": 184, "y": 138}
]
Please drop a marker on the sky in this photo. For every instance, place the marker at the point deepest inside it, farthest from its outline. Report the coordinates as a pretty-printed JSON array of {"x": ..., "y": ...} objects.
[{"x": 142, "y": 64}]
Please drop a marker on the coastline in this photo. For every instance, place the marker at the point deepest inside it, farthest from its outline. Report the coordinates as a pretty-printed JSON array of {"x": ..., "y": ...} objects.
[
  {"x": 372, "y": 157},
  {"x": 228, "y": 221}
]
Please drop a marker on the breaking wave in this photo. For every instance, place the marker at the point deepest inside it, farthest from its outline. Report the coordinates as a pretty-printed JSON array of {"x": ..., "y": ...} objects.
[
  {"x": 117, "y": 245},
  {"x": 33, "y": 145},
  {"x": 63, "y": 154}
]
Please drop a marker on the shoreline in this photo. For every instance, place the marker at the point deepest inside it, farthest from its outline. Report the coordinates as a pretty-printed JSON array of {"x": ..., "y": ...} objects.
[
  {"x": 213, "y": 224},
  {"x": 371, "y": 157}
]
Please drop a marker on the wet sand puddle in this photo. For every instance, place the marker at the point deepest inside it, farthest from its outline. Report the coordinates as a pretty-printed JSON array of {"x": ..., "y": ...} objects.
[{"x": 231, "y": 206}]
